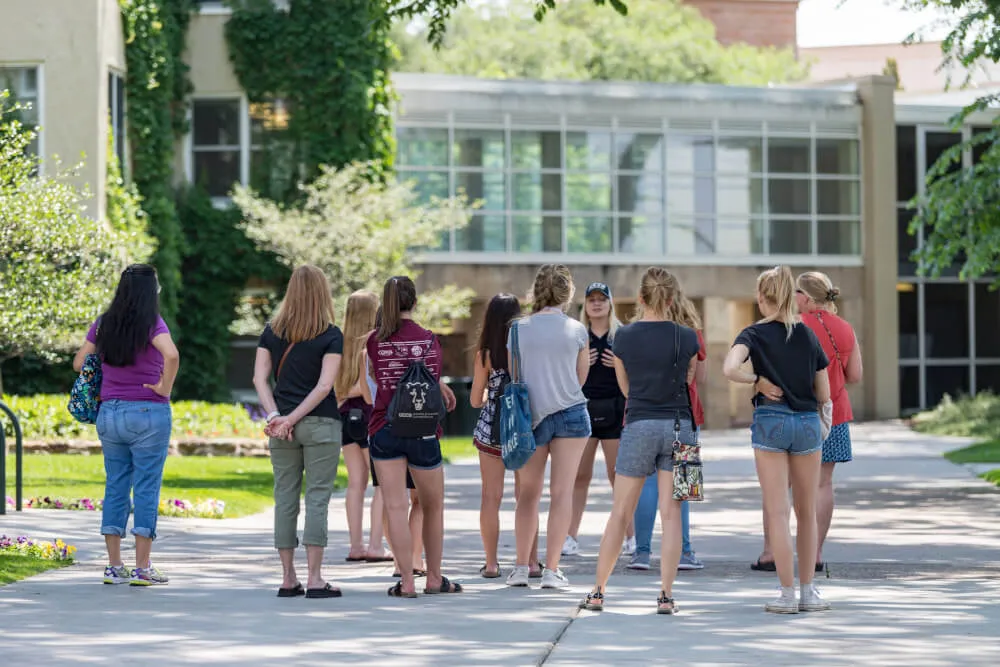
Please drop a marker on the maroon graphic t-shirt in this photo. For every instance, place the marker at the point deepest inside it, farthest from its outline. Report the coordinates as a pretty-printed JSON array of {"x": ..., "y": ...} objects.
[{"x": 390, "y": 359}]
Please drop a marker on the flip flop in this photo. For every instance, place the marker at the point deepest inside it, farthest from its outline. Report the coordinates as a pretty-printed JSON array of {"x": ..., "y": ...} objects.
[
  {"x": 353, "y": 559},
  {"x": 488, "y": 575},
  {"x": 397, "y": 592},
  {"x": 292, "y": 592},
  {"x": 446, "y": 587},
  {"x": 764, "y": 566},
  {"x": 379, "y": 559},
  {"x": 416, "y": 573},
  {"x": 327, "y": 591}
]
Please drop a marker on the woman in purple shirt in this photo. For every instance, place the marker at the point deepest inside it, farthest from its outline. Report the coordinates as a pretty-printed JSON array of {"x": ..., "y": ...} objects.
[{"x": 139, "y": 364}]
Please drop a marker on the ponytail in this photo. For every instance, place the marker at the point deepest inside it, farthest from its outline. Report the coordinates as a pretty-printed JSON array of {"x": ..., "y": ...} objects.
[
  {"x": 398, "y": 296},
  {"x": 777, "y": 287},
  {"x": 658, "y": 290}
]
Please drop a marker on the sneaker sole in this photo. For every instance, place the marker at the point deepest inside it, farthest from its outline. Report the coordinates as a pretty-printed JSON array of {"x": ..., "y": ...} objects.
[
  {"x": 774, "y": 610},
  {"x": 517, "y": 584},
  {"x": 147, "y": 583},
  {"x": 814, "y": 607},
  {"x": 641, "y": 566},
  {"x": 115, "y": 582},
  {"x": 556, "y": 587},
  {"x": 683, "y": 566}
]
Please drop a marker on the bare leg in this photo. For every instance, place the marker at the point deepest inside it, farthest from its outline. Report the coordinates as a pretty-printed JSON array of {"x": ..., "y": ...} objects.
[
  {"x": 492, "y": 472},
  {"x": 534, "y": 565},
  {"x": 377, "y": 534},
  {"x": 566, "y": 453},
  {"x": 530, "y": 479},
  {"x": 392, "y": 481},
  {"x": 114, "y": 547},
  {"x": 581, "y": 486},
  {"x": 356, "y": 459},
  {"x": 143, "y": 549},
  {"x": 805, "y": 484},
  {"x": 314, "y": 561},
  {"x": 610, "y": 448},
  {"x": 430, "y": 489},
  {"x": 824, "y": 506},
  {"x": 289, "y": 579},
  {"x": 626, "y": 496},
  {"x": 417, "y": 528},
  {"x": 670, "y": 547},
  {"x": 772, "y": 473}
]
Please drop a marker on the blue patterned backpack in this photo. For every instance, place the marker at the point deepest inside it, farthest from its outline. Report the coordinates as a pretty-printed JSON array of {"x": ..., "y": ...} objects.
[
  {"x": 85, "y": 396},
  {"x": 517, "y": 441}
]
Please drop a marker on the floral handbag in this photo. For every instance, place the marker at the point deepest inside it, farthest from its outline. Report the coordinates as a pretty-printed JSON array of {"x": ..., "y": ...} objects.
[
  {"x": 689, "y": 483},
  {"x": 85, "y": 396}
]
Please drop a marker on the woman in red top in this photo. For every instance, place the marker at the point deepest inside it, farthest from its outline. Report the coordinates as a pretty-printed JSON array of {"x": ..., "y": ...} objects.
[{"x": 816, "y": 298}]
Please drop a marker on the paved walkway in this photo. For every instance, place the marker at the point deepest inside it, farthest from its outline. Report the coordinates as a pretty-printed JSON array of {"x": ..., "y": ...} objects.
[{"x": 915, "y": 554}]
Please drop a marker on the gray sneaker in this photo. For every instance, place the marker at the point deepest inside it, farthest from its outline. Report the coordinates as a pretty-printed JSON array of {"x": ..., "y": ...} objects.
[
  {"x": 690, "y": 562},
  {"x": 117, "y": 574},
  {"x": 640, "y": 561},
  {"x": 785, "y": 603},
  {"x": 810, "y": 600},
  {"x": 148, "y": 576}
]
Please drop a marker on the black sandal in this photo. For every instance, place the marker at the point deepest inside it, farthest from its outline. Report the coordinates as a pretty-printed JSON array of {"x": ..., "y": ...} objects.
[
  {"x": 397, "y": 591},
  {"x": 590, "y": 603},
  {"x": 416, "y": 573},
  {"x": 327, "y": 591},
  {"x": 292, "y": 592},
  {"x": 664, "y": 600},
  {"x": 486, "y": 574},
  {"x": 764, "y": 566},
  {"x": 446, "y": 587}
]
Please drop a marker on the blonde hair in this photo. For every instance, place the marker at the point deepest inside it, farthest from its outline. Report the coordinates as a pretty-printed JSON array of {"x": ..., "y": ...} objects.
[
  {"x": 613, "y": 322},
  {"x": 658, "y": 289},
  {"x": 682, "y": 311},
  {"x": 359, "y": 319},
  {"x": 553, "y": 287},
  {"x": 777, "y": 287},
  {"x": 307, "y": 309},
  {"x": 820, "y": 289}
]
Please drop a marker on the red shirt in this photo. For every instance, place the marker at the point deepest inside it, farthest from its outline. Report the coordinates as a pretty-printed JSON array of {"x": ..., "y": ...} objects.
[
  {"x": 390, "y": 359},
  {"x": 835, "y": 329},
  {"x": 697, "y": 409}
]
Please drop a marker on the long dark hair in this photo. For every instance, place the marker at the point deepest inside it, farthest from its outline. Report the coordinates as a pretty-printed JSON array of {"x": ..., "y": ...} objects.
[
  {"x": 398, "y": 296},
  {"x": 500, "y": 312},
  {"x": 124, "y": 328}
]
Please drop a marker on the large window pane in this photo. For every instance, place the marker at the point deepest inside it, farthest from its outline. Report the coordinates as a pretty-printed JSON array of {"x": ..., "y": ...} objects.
[
  {"x": 217, "y": 171},
  {"x": 691, "y": 195},
  {"x": 906, "y": 163},
  {"x": 483, "y": 233},
  {"x": 946, "y": 320},
  {"x": 909, "y": 388},
  {"x": 643, "y": 193},
  {"x": 909, "y": 344},
  {"x": 739, "y": 196},
  {"x": 426, "y": 184},
  {"x": 741, "y": 155},
  {"x": 216, "y": 122},
  {"x": 838, "y": 237},
  {"x": 688, "y": 236},
  {"x": 743, "y": 237},
  {"x": 588, "y": 234},
  {"x": 838, "y": 197},
  {"x": 980, "y": 149},
  {"x": 687, "y": 153},
  {"x": 941, "y": 380},
  {"x": 937, "y": 144},
  {"x": 639, "y": 151},
  {"x": 788, "y": 156},
  {"x": 536, "y": 150},
  {"x": 837, "y": 156},
  {"x": 791, "y": 237},
  {"x": 536, "y": 233},
  {"x": 640, "y": 235},
  {"x": 588, "y": 150},
  {"x": 487, "y": 186},
  {"x": 588, "y": 192},
  {"x": 537, "y": 192},
  {"x": 987, "y": 322},
  {"x": 988, "y": 378},
  {"x": 422, "y": 147},
  {"x": 790, "y": 197},
  {"x": 479, "y": 148},
  {"x": 22, "y": 82},
  {"x": 905, "y": 242}
]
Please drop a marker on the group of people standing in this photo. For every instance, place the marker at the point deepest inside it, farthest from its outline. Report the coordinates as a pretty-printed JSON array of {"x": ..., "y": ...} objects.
[{"x": 631, "y": 388}]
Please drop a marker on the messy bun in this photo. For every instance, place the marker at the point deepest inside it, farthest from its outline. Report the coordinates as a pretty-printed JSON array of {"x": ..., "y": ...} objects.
[
  {"x": 553, "y": 287},
  {"x": 658, "y": 290},
  {"x": 820, "y": 289}
]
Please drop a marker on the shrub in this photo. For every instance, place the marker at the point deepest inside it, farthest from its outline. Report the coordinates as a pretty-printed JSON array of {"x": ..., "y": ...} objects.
[{"x": 977, "y": 416}]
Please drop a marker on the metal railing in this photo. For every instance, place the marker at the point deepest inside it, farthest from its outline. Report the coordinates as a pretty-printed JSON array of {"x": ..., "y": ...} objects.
[{"x": 19, "y": 465}]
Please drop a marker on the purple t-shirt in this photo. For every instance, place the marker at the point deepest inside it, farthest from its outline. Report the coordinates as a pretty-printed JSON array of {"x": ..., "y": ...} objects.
[{"x": 125, "y": 382}]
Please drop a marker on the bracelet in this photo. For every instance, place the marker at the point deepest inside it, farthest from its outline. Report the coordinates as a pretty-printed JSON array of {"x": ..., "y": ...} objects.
[{"x": 272, "y": 416}]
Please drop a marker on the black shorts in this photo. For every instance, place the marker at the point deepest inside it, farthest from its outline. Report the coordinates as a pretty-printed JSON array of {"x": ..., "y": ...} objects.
[
  {"x": 347, "y": 439},
  {"x": 421, "y": 453},
  {"x": 607, "y": 417},
  {"x": 409, "y": 477}
]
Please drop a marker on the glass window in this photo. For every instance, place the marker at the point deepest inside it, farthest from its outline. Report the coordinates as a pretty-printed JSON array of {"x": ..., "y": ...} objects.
[
  {"x": 536, "y": 233},
  {"x": 838, "y": 237},
  {"x": 588, "y": 192},
  {"x": 690, "y": 153},
  {"x": 536, "y": 150},
  {"x": 479, "y": 148},
  {"x": 116, "y": 114},
  {"x": 909, "y": 344},
  {"x": 906, "y": 243},
  {"x": 588, "y": 151},
  {"x": 739, "y": 196},
  {"x": 422, "y": 147},
  {"x": 217, "y": 171},
  {"x": 988, "y": 378},
  {"x": 979, "y": 150},
  {"x": 788, "y": 156},
  {"x": 789, "y": 197},
  {"x": 691, "y": 195},
  {"x": 791, "y": 237},
  {"x": 642, "y": 152},
  {"x": 588, "y": 234},
  {"x": 216, "y": 123},
  {"x": 946, "y": 320},
  {"x": 909, "y": 388},
  {"x": 426, "y": 184},
  {"x": 838, "y": 197},
  {"x": 687, "y": 236},
  {"x": 537, "y": 192},
  {"x": 640, "y": 235},
  {"x": 22, "y": 82},
  {"x": 941, "y": 380},
  {"x": 740, "y": 237},
  {"x": 483, "y": 233},
  {"x": 906, "y": 163},
  {"x": 938, "y": 143},
  {"x": 987, "y": 322},
  {"x": 742, "y": 155},
  {"x": 486, "y": 186},
  {"x": 640, "y": 193},
  {"x": 838, "y": 157}
]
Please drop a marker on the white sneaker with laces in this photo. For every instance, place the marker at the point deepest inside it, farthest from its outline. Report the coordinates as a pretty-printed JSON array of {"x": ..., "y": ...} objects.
[
  {"x": 810, "y": 600},
  {"x": 785, "y": 603},
  {"x": 117, "y": 574},
  {"x": 571, "y": 547},
  {"x": 554, "y": 579},
  {"x": 518, "y": 576},
  {"x": 628, "y": 548}
]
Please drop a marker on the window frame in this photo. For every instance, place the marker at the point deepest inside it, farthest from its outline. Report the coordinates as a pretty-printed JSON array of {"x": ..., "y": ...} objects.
[{"x": 38, "y": 105}]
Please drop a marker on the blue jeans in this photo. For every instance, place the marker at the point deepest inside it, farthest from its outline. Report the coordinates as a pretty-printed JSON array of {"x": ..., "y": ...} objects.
[
  {"x": 573, "y": 422},
  {"x": 777, "y": 428},
  {"x": 135, "y": 438},
  {"x": 645, "y": 516}
]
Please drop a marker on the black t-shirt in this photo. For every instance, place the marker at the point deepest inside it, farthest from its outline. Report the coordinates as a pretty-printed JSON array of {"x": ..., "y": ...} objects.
[
  {"x": 656, "y": 356},
  {"x": 601, "y": 380},
  {"x": 790, "y": 363},
  {"x": 302, "y": 368}
]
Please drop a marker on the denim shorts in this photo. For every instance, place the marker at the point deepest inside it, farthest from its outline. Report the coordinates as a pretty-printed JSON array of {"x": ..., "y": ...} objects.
[
  {"x": 777, "y": 428},
  {"x": 420, "y": 453},
  {"x": 572, "y": 422},
  {"x": 647, "y": 445}
]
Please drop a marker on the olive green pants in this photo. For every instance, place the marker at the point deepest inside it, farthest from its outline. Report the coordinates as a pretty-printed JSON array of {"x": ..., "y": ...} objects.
[{"x": 315, "y": 451}]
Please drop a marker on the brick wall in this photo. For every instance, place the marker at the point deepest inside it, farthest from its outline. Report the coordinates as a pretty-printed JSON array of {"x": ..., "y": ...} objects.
[{"x": 756, "y": 22}]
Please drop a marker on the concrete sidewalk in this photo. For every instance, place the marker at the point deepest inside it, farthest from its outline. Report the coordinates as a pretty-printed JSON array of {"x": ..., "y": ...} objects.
[{"x": 914, "y": 552}]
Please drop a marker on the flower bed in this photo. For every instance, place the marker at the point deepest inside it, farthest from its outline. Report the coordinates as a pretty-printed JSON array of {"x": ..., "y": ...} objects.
[
  {"x": 211, "y": 508},
  {"x": 25, "y": 546}
]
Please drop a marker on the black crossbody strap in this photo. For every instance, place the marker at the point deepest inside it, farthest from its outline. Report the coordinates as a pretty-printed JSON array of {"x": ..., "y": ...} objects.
[{"x": 836, "y": 350}]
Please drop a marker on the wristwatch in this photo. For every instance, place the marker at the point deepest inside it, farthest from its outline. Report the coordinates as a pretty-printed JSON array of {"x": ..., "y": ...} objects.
[{"x": 272, "y": 416}]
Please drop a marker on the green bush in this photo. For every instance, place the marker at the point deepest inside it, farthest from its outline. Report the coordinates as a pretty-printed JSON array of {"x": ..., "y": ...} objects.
[
  {"x": 44, "y": 417},
  {"x": 977, "y": 416}
]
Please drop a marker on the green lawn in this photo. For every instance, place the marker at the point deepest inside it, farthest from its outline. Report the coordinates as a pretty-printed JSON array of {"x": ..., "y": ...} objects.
[
  {"x": 456, "y": 449},
  {"x": 16, "y": 567},
  {"x": 983, "y": 452}
]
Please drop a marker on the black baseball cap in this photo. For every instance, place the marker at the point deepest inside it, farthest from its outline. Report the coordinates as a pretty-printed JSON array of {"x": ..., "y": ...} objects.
[{"x": 598, "y": 287}]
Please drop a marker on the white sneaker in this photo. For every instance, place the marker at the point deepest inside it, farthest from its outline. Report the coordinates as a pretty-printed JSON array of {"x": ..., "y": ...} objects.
[
  {"x": 785, "y": 603},
  {"x": 518, "y": 577},
  {"x": 554, "y": 579},
  {"x": 571, "y": 547},
  {"x": 810, "y": 600},
  {"x": 628, "y": 548}
]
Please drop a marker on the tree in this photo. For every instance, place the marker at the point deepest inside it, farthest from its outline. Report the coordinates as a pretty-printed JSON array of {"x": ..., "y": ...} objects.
[
  {"x": 659, "y": 40},
  {"x": 359, "y": 231},
  {"x": 58, "y": 266},
  {"x": 892, "y": 69},
  {"x": 960, "y": 212}
]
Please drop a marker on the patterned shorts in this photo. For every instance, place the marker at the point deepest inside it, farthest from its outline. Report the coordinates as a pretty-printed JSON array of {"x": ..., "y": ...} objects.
[{"x": 837, "y": 446}]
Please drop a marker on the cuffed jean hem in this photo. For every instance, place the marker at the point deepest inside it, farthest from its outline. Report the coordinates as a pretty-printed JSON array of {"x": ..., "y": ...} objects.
[
  {"x": 113, "y": 530},
  {"x": 144, "y": 532}
]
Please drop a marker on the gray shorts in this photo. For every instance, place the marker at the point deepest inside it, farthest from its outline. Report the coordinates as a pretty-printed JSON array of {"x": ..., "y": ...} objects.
[{"x": 647, "y": 445}]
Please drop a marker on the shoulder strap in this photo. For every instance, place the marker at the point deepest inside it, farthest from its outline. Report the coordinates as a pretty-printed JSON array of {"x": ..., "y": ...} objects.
[
  {"x": 515, "y": 348},
  {"x": 281, "y": 363},
  {"x": 836, "y": 350}
]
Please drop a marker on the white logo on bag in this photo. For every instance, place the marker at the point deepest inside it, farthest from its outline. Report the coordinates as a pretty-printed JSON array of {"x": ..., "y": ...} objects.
[{"x": 418, "y": 393}]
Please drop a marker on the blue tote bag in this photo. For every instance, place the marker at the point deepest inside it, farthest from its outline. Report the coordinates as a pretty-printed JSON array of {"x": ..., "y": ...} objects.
[{"x": 517, "y": 441}]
